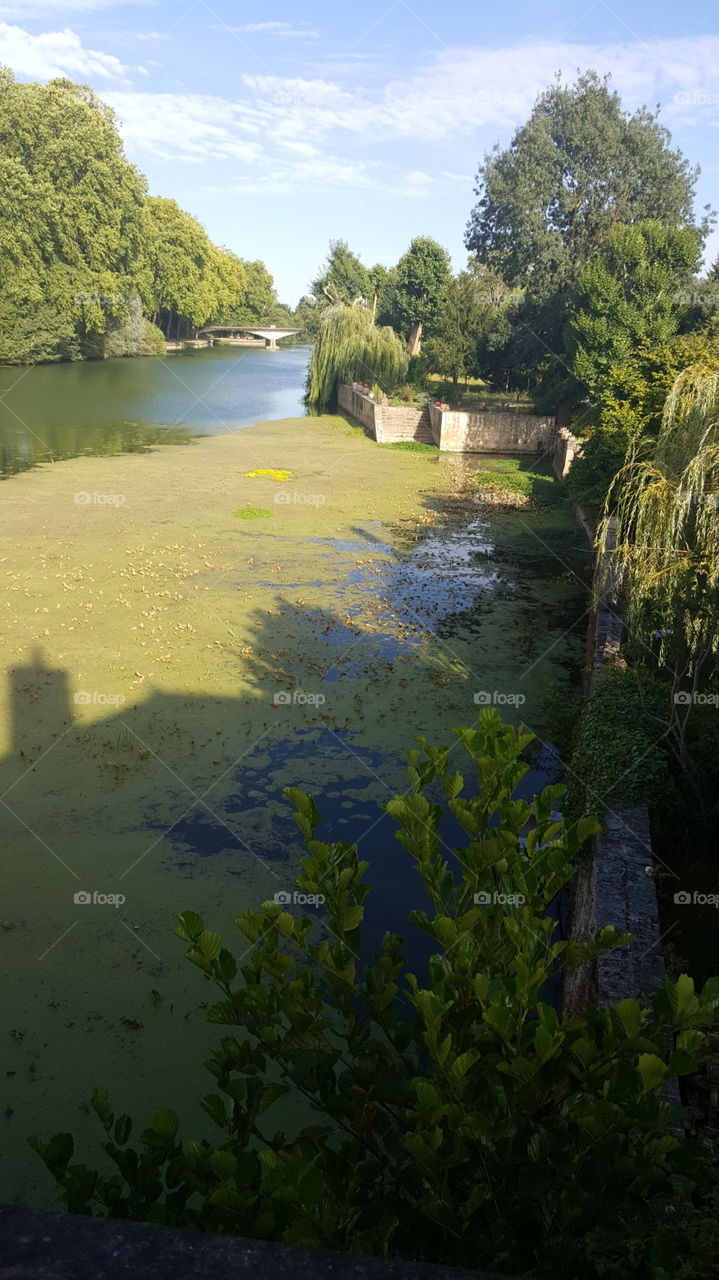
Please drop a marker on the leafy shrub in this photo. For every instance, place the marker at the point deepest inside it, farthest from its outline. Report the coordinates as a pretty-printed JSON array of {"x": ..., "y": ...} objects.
[{"x": 459, "y": 1116}]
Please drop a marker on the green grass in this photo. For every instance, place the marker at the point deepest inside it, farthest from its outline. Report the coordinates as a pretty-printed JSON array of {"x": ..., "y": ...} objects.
[
  {"x": 253, "y": 513},
  {"x": 409, "y": 446},
  {"x": 513, "y": 475}
]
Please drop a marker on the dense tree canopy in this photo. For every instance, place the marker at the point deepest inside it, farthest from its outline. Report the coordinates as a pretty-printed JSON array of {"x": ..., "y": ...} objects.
[
  {"x": 349, "y": 346},
  {"x": 71, "y": 221},
  {"x": 578, "y": 166},
  {"x": 343, "y": 277},
  {"x": 84, "y": 251},
  {"x": 422, "y": 278},
  {"x": 192, "y": 280}
]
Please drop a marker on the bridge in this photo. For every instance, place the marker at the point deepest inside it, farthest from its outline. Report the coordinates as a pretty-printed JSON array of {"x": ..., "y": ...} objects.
[{"x": 270, "y": 333}]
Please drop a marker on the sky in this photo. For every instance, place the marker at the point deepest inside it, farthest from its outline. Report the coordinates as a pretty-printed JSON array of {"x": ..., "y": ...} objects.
[{"x": 284, "y": 125}]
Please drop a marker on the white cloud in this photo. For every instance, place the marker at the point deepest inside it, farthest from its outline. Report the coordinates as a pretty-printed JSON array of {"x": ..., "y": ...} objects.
[
  {"x": 282, "y": 30},
  {"x": 55, "y": 8},
  {"x": 55, "y": 53},
  {"x": 188, "y": 126}
]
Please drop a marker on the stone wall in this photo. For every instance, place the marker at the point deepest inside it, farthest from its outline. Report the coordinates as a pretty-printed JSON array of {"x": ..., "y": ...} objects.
[
  {"x": 566, "y": 449},
  {"x": 615, "y": 882},
  {"x": 492, "y": 431},
  {"x": 387, "y": 424}
]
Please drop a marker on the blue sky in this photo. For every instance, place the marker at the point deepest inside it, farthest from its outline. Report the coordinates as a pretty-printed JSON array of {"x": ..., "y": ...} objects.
[{"x": 285, "y": 124}]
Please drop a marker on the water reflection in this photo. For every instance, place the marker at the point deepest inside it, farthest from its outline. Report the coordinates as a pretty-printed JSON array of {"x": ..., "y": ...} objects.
[{"x": 51, "y": 412}]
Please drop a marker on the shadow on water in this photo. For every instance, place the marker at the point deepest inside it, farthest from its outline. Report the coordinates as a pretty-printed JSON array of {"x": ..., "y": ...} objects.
[{"x": 176, "y": 801}]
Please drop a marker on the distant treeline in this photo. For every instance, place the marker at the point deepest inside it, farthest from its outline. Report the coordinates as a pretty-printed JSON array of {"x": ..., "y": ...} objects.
[{"x": 91, "y": 265}]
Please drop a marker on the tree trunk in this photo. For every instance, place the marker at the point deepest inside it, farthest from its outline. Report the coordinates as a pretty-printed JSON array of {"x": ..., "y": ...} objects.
[
  {"x": 414, "y": 343},
  {"x": 564, "y": 410}
]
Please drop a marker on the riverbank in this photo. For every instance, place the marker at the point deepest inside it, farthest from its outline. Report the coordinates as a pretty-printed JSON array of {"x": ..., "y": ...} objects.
[{"x": 175, "y": 664}]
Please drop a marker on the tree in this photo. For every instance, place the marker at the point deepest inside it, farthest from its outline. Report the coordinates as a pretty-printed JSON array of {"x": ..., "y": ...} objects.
[
  {"x": 350, "y": 345},
  {"x": 473, "y": 327},
  {"x": 580, "y": 165},
  {"x": 452, "y": 352},
  {"x": 343, "y": 277},
  {"x": 192, "y": 281},
  {"x": 422, "y": 278},
  {"x": 660, "y": 542},
  {"x": 256, "y": 300},
  {"x": 306, "y": 317},
  {"x": 452, "y": 1115},
  {"x": 629, "y": 294},
  {"x": 71, "y": 222}
]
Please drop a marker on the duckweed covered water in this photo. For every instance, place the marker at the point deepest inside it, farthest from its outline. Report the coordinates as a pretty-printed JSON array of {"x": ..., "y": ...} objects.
[{"x": 172, "y": 668}]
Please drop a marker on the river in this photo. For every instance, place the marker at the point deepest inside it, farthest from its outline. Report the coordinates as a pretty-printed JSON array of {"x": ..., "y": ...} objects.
[
  {"x": 173, "y": 665},
  {"x": 51, "y": 412}
]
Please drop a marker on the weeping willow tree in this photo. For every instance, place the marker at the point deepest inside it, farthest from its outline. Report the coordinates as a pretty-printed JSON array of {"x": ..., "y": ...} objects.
[
  {"x": 349, "y": 347},
  {"x": 659, "y": 540}
]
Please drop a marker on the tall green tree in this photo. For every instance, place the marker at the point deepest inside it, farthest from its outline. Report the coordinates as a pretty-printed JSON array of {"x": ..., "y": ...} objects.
[
  {"x": 192, "y": 281},
  {"x": 627, "y": 306},
  {"x": 343, "y": 278},
  {"x": 256, "y": 300},
  {"x": 350, "y": 346},
  {"x": 422, "y": 280},
  {"x": 71, "y": 221},
  {"x": 580, "y": 165},
  {"x": 632, "y": 292}
]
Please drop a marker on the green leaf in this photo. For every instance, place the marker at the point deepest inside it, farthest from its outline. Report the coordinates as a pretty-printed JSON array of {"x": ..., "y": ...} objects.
[
  {"x": 191, "y": 926},
  {"x": 652, "y": 1071},
  {"x": 352, "y": 918},
  {"x": 165, "y": 1122}
]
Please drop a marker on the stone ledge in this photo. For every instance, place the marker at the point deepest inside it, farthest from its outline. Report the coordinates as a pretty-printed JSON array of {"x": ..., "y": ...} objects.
[{"x": 51, "y": 1246}]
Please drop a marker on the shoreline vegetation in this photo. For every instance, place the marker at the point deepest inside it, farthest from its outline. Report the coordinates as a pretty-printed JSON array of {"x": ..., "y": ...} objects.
[
  {"x": 276, "y": 610},
  {"x": 93, "y": 266}
]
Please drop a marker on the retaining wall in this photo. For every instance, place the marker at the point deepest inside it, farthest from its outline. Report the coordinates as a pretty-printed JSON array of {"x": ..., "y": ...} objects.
[
  {"x": 614, "y": 884},
  {"x": 492, "y": 431},
  {"x": 388, "y": 424}
]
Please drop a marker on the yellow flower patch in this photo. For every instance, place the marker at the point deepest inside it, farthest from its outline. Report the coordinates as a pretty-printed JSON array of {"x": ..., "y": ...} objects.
[{"x": 271, "y": 473}]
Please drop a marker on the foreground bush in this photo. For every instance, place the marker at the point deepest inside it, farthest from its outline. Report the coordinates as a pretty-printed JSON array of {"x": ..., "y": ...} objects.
[{"x": 457, "y": 1117}]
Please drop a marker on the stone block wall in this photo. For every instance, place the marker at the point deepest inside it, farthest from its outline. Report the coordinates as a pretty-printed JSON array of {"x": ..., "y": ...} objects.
[
  {"x": 492, "y": 431},
  {"x": 388, "y": 424},
  {"x": 566, "y": 449},
  {"x": 615, "y": 883}
]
